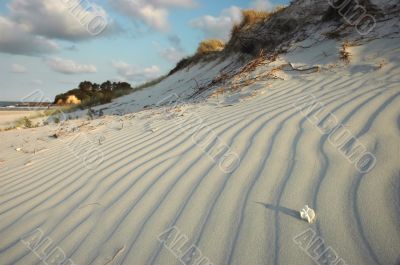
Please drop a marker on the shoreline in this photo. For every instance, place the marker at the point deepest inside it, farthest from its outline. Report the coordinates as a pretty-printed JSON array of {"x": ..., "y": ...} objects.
[{"x": 23, "y": 109}]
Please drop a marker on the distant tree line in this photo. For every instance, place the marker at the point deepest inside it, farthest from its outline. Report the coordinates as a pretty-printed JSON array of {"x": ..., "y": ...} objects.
[{"x": 91, "y": 94}]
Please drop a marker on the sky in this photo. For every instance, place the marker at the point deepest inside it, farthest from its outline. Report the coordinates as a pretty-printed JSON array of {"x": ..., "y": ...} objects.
[{"x": 52, "y": 45}]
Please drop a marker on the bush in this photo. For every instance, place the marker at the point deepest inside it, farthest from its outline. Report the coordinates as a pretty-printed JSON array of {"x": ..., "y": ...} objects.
[
  {"x": 25, "y": 122},
  {"x": 212, "y": 45}
]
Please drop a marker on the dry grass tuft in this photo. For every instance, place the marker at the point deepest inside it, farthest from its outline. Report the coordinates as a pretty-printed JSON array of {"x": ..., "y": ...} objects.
[
  {"x": 249, "y": 19},
  {"x": 216, "y": 93},
  {"x": 381, "y": 64},
  {"x": 207, "y": 50},
  {"x": 252, "y": 17},
  {"x": 212, "y": 45},
  {"x": 25, "y": 122},
  {"x": 345, "y": 55}
]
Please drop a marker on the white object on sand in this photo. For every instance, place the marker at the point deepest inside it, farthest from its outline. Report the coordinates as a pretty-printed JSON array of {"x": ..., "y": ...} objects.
[{"x": 308, "y": 214}]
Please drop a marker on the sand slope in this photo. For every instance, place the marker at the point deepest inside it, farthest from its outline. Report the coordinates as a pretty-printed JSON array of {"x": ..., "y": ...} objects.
[{"x": 155, "y": 176}]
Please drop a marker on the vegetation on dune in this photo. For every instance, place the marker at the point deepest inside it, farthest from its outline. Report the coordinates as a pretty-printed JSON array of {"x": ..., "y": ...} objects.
[
  {"x": 183, "y": 63},
  {"x": 251, "y": 20},
  {"x": 252, "y": 17},
  {"x": 24, "y": 122},
  {"x": 208, "y": 49},
  {"x": 209, "y": 46}
]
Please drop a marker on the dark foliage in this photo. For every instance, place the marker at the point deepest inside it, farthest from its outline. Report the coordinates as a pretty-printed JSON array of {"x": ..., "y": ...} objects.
[{"x": 91, "y": 94}]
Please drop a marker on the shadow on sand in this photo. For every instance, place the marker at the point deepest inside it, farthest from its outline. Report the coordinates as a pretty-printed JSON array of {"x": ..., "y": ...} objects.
[{"x": 281, "y": 209}]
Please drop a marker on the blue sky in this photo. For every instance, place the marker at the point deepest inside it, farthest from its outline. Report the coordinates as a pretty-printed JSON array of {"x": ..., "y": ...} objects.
[{"x": 45, "y": 45}]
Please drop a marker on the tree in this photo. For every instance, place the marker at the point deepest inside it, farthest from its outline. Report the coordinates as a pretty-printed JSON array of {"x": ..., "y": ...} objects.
[
  {"x": 95, "y": 87},
  {"x": 85, "y": 86},
  {"x": 106, "y": 86}
]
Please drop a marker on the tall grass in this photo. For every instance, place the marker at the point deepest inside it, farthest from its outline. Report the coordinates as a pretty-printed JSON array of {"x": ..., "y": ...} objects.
[
  {"x": 252, "y": 17},
  {"x": 212, "y": 45}
]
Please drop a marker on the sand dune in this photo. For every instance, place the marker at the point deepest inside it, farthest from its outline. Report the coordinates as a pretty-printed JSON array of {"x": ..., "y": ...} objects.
[{"x": 154, "y": 175}]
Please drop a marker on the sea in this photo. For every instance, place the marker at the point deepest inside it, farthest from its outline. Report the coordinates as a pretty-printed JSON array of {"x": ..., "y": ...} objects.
[
  {"x": 11, "y": 104},
  {"x": 16, "y": 105}
]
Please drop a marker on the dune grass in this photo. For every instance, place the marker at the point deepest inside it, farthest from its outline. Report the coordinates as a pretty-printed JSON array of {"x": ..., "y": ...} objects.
[{"x": 212, "y": 45}]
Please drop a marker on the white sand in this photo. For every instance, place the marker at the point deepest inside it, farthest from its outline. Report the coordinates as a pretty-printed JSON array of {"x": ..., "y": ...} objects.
[{"x": 154, "y": 176}]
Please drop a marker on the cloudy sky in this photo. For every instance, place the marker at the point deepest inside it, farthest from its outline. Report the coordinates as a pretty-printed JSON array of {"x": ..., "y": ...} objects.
[{"x": 52, "y": 45}]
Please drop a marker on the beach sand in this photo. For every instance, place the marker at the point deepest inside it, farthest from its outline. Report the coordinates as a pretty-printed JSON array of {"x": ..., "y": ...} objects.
[{"x": 106, "y": 189}]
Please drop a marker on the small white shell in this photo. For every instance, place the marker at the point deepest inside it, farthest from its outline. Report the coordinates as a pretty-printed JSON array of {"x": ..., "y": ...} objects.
[{"x": 308, "y": 214}]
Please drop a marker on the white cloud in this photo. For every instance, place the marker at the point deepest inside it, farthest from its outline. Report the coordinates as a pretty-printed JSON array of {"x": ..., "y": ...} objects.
[
  {"x": 15, "y": 40},
  {"x": 136, "y": 73},
  {"x": 264, "y": 5},
  {"x": 67, "y": 19},
  {"x": 218, "y": 27},
  {"x": 66, "y": 66},
  {"x": 174, "y": 3},
  {"x": 31, "y": 26},
  {"x": 153, "y": 13},
  {"x": 18, "y": 69}
]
